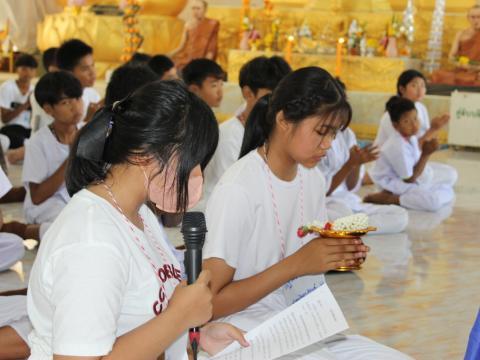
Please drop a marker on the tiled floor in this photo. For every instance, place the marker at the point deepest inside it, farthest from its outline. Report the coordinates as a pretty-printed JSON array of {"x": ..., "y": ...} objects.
[{"x": 418, "y": 291}]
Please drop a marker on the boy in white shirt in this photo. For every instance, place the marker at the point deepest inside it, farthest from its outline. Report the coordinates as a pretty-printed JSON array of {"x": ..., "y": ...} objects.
[
  {"x": 411, "y": 85},
  {"x": 77, "y": 57},
  {"x": 257, "y": 78},
  {"x": 402, "y": 170},
  {"x": 14, "y": 101},
  {"x": 59, "y": 94},
  {"x": 343, "y": 168},
  {"x": 205, "y": 78}
]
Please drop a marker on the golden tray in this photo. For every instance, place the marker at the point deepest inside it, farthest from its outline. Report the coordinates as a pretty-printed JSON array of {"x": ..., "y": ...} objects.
[{"x": 342, "y": 235}]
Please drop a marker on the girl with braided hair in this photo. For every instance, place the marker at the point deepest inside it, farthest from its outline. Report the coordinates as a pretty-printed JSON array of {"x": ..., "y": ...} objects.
[{"x": 252, "y": 248}]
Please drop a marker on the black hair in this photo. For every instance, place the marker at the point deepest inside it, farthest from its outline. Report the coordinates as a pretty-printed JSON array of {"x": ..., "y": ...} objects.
[
  {"x": 161, "y": 64},
  {"x": 253, "y": 127},
  {"x": 263, "y": 73},
  {"x": 309, "y": 91},
  {"x": 139, "y": 58},
  {"x": 49, "y": 58},
  {"x": 126, "y": 79},
  {"x": 196, "y": 71},
  {"x": 407, "y": 76},
  {"x": 26, "y": 60},
  {"x": 397, "y": 106},
  {"x": 160, "y": 120},
  {"x": 71, "y": 52},
  {"x": 341, "y": 83},
  {"x": 55, "y": 86}
]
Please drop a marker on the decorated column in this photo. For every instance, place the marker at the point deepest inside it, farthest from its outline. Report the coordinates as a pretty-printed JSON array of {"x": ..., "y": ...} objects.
[{"x": 434, "y": 52}]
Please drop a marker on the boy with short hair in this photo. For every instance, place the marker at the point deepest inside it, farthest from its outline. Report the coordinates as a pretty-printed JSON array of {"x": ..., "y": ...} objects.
[
  {"x": 164, "y": 67},
  {"x": 126, "y": 79},
  {"x": 205, "y": 78},
  {"x": 14, "y": 101},
  {"x": 60, "y": 95},
  {"x": 49, "y": 59},
  {"x": 77, "y": 57},
  {"x": 257, "y": 78}
]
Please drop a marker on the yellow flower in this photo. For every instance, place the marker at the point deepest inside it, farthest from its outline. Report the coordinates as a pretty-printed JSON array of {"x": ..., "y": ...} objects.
[{"x": 463, "y": 60}]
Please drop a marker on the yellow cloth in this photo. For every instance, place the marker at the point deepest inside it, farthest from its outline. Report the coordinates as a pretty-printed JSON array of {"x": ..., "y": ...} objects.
[
  {"x": 106, "y": 33},
  {"x": 359, "y": 73}
]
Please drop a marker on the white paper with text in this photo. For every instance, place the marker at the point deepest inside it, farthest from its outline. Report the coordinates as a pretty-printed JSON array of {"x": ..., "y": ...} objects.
[{"x": 315, "y": 317}]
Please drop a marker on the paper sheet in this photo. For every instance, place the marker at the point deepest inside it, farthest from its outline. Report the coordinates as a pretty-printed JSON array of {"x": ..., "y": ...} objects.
[{"x": 315, "y": 317}]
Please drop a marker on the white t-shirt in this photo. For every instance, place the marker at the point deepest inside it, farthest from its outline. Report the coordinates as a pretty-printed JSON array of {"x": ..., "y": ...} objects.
[
  {"x": 90, "y": 95},
  {"x": 398, "y": 157},
  {"x": 39, "y": 117},
  {"x": 386, "y": 129},
  {"x": 43, "y": 156},
  {"x": 9, "y": 96},
  {"x": 91, "y": 282},
  {"x": 336, "y": 157},
  {"x": 5, "y": 184},
  {"x": 242, "y": 226},
  {"x": 228, "y": 151}
]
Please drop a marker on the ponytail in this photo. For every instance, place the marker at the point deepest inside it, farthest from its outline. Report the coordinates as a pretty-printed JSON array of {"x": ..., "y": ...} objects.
[
  {"x": 306, "y": 92},
  {"x": 257, "y": 127},
  {"x": 86, "y": 164},
  {"x": 160, "y": 120}
]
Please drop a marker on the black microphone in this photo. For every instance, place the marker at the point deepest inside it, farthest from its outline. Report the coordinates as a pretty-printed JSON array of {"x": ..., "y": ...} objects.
[{"x": 194, "y": 229}]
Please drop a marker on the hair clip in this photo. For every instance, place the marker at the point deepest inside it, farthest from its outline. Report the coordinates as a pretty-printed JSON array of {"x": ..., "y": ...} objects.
[
  {"x": 116, "y": 107},
  {"x": 109, "y": 129}
]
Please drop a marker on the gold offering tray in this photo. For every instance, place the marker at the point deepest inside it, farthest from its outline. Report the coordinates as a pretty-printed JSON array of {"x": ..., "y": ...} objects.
[{"x": 343, "y": 235}]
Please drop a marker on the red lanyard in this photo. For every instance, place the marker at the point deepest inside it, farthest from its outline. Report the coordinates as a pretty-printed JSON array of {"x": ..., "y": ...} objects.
[
  {"x": 149, "y": 235},
  {"x": 274, "y": 202}
]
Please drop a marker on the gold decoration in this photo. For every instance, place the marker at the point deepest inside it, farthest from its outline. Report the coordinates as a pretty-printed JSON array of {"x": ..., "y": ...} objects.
[
  {"x": 162, "y": 34},
  {"x": 162, "y": 7},
  {"x": 358, "y": 73},
  {"x": 336, "y": 22}
]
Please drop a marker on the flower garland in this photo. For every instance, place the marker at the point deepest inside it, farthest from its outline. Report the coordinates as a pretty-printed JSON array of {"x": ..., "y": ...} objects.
[{"x": 133, "y": 39}]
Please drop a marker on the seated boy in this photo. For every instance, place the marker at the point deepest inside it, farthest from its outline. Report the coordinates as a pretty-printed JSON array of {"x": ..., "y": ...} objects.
[
  {"x": 164, "y": 67},
  {"x": 257, "y": 78},
  {"x": 402, "y": 170},
  {"x": 60, "y": 95},
  {"x": 77, "y": 57},
  {"x": 14, "y": 101},
  {"x": 205, "y": 78}
]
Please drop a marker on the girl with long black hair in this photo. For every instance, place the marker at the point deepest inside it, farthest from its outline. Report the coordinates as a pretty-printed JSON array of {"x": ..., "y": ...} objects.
[
  {"x": 259, "y": 263},
  {"x": 105, "y": 284}
]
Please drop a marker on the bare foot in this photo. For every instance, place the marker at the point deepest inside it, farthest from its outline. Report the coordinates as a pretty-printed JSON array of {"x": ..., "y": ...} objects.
[{"x": 383, "y": 198}]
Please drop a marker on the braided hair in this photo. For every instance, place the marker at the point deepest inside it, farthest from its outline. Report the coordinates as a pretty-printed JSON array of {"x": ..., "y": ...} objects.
[{"x": 306, "y": 92}]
